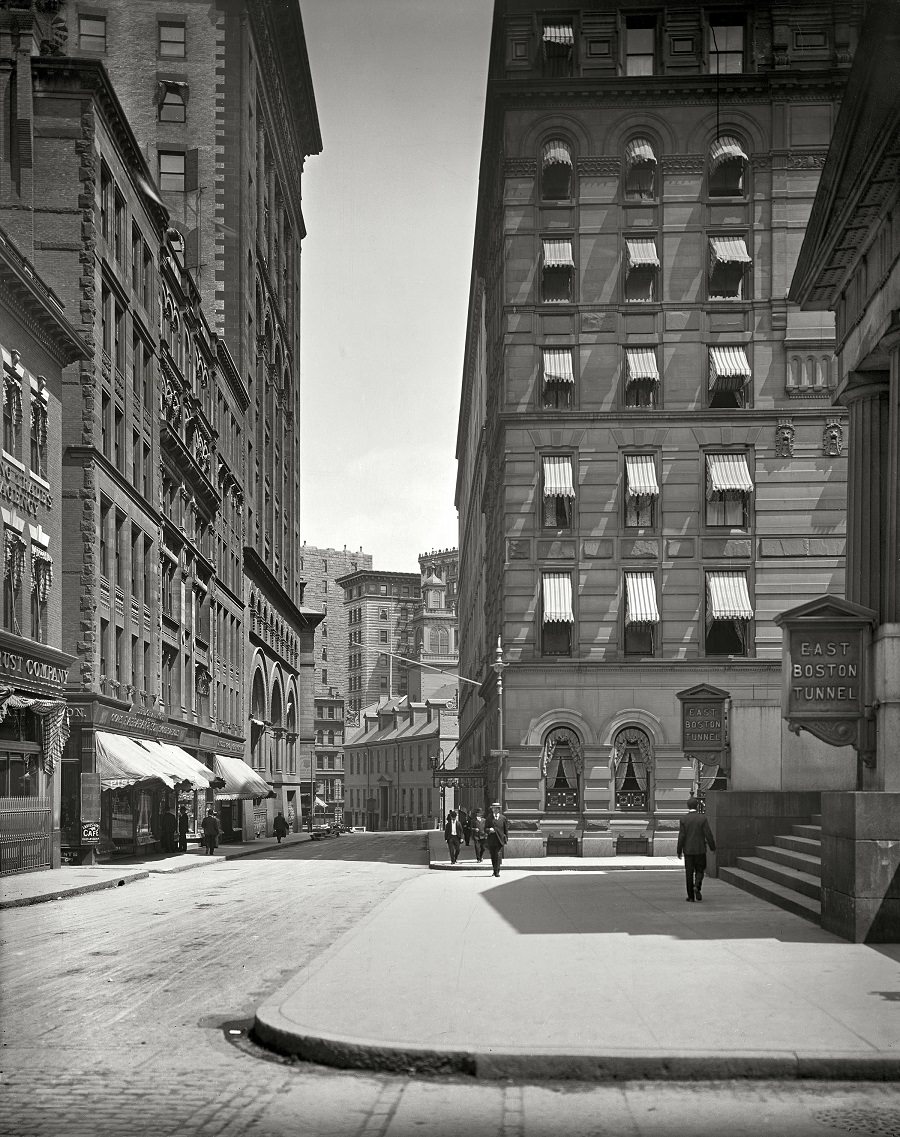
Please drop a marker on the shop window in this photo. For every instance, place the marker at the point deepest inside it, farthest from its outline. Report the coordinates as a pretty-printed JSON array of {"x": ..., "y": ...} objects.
[
  {"x": 558, "y": 492},
  {"x": 556, "y": 171},
  {"x": 725, "y": 46},
  {"x": 640, "y": 45},
  {"x": 727, "y": 168},
  {"x": 632, "y": 766},
  {"x": 557, "y": 272},
  {"x": 20, "y": 774},
  {"x": 728, "y": 613},
  {"x": 557, "y": 615},
  {"x": 558, "y": 49}
]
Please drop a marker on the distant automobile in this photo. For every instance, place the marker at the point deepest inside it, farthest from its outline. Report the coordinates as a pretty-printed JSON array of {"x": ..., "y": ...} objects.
[{"x": 320, "y": 832}]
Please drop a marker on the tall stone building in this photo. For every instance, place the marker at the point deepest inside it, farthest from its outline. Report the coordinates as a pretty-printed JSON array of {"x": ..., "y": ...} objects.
[{"x": 650, "y": 466}]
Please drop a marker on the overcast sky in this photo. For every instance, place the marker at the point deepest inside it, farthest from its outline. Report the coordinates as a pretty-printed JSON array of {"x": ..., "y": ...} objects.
[{"x": 389, "y": 207}]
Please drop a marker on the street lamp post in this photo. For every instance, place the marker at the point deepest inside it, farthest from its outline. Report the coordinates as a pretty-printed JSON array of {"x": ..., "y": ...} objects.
[{"x": 499, "y": 666}]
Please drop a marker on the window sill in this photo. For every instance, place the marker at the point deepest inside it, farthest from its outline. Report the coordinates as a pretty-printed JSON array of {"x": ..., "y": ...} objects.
[{"x": 11, "y": 458}]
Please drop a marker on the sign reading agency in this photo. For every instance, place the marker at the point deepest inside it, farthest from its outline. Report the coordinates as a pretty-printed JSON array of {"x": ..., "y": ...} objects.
[{"x": 703, "y": 719}]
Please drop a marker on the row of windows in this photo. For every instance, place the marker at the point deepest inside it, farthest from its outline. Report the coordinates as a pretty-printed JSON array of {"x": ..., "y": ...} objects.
[
  {"x": 171, "y": 34},
  {"x": 373, "y": 589},
  {"x": 15, "y": 557},
  {"x": 727, "y": 613},
  {"x": 15, "y": 417},
  {"x": 371, "y": 762}
]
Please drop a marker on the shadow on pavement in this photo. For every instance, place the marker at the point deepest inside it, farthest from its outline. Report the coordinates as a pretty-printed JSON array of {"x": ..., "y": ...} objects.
[
  {"x": 389, "y": 848},
  {"x": 642, "y": 904}
]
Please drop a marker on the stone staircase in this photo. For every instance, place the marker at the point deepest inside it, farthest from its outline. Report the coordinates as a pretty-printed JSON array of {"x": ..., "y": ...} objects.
[{"x": 787, "y": 873}]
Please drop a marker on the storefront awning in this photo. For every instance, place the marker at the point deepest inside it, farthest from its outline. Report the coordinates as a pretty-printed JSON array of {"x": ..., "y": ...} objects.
[
  {"x": 563, "y": 34},
  {"x": 558, "y": 254},
  {"x": 182, "y": 766},
  {"x": 241, "y": 781},
  {"x": 122, "y": 762},
  {"x": 556, "y": 153},
  {"x": 640, "y": 363},
  {"x": 727, "y": 596},
  {"x": 638, "y": 152},
  {"x": 725, "y": 149},
  {"x": 558, "y": 366},
  {"x": 640, "y": 475},
  {"x": 557, "y": 588},
  {"x": 558, "y": 477},
  {"x": 641, "y": 253},
  {"x": 727, "y": 473},
  {"x": 640, "y": 598},
  {"x": 728, "y": 250},
  {"x": 729, "y": 368}
]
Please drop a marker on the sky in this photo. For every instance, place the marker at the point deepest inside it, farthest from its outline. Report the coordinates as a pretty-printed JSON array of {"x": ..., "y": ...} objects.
[{"x": 389, "y": 207}]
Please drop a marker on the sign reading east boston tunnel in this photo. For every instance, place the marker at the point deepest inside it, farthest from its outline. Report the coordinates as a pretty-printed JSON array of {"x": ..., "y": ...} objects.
[{"x": 825, "y": 671}]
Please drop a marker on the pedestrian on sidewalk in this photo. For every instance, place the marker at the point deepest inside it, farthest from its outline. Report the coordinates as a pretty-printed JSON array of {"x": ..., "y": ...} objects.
[
  {"x": 184, "y": 823},
  {"x": 466, "y": 827},
  {"x": 211, "y": 830},
  {"x": 479, "y": 834},
  {"x": 168, "y": 828},
  {"x": 694, "y": 835},
  {"x": 453, "y": 835},
  {"x": 280, "y": 826},
  {"x": 497, "y": 835}
]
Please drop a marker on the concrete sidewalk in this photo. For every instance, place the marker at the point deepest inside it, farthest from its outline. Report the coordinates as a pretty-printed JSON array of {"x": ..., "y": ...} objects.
[
  {"x": 45, "y": 885},
  {"x": 592, "y": 975}
]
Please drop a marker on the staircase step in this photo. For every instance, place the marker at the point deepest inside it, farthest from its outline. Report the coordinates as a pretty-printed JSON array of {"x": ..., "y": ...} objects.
[
  {"x": 798, "y": 844},
  {"x": 813, "y": 831},
  {"x": 802, "y": 862},
  {"x": 768, "y": 890},
  {"x": 802, "y": 882},
  {"x": 816, "y": 819}
]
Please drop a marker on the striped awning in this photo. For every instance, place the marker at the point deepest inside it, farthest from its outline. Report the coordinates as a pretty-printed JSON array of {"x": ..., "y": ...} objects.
[
  {"x": 640, "y": 475},
  {"x": 557, "y": 595},
  {"x": 728, "y": 250},
  {"x": 640, "y": 598},
  {"x": 556, "y": 153},
  {"x": 181, "y": 765},
  {"x": 558, "y": 366},
  {"x": 727, "y": 597},
  {"x": 638, "y": 151},
  {"x": 563, "y": 34},
  {"x": 641, "y": 253},
  {"x": 725, "y": 149},
  {"x": 122, "y": 762},
  {"x": 558, "y": 254},
  {"x": 558, "y": 476},
  {"x": 241, "y": 781},
  {"x": 729, "y": 368},
  {"x": 640, "y": 363},
  {"x": 727, "y": 473}
]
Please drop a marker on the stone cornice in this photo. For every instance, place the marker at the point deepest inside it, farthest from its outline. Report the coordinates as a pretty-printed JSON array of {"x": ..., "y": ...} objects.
[
  {"x": 37, "y": 306},
  {"x": 652, "y": 667}
]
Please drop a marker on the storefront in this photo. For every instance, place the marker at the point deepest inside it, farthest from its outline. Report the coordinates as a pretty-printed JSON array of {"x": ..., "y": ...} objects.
[{"x": 240, "y": 785}]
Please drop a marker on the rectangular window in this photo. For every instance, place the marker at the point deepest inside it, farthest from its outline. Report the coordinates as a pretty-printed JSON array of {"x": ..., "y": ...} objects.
[
  {"x": 729, "y": 377},
  {"x": 726, "y": 48},
  {"x": 106, "y": 428},
  {"x": 171, "y": 171},
  {"x": 119, "y": 228},
  {"x": 557, "y": 272},
  {"x": 728, "y": 613},
  {"x": 558, "y": 381},
  {"x": 147, "y": 472},
  {"x": 558, "y": 48},
  {"x": 383, "y": 636},
  {"x": 172, "y": 39},
  {"x": 172, "y": 103},
  {"x": 558, "y": 492},
  {"x": 640, "y": 45},
  {"x": 641, "y": 377},
  {"x": 12, "y": 414},
  {"x": 120, "y": 551},
  {"x": 728, "y": 490},
  {"x": 119, "y": 440},
  {"x": 39, "y": 423},
  {"x": 92, "y": 33},
  {"x": 137, "y": 254},
  {"x": 728, "y": 264},
  {"x": 641, "y": 613},
  {"x": 557, "y": 614},
  {"x": 641, "y": 269},
  {"x": 119, "y": 336},
  {"x": 641, "y": 491}
]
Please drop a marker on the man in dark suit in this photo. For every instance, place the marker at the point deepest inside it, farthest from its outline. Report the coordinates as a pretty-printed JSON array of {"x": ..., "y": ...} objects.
[
  {"x": 497, "y": 835},
  {"x": 694, "y": 835}
]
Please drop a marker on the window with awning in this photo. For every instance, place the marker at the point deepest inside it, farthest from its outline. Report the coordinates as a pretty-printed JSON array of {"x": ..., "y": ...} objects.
[
  {"x": 728, "y": 489},
  {"x": 726, "y": 149},
  {"x": 639, "y": 152},
  {"x": 728, "y": 263},
  {"x": 556, "y": 171},
  {"x": 561, "y": 35},
  {"x": 558, "y": 45},
  {"x": 556, "y": 153},
  {"x": 640, "y": 475},
  {"x": 181, "y": 765},
  {"x": 728, "y": 250},
  {"x": 557, "y": 271},
  {"x": 728, "y": 612},
  {"x": 641, "y": 269},
  {"x": 557, "y": 598},
  {"x": 729, "y": 369},
  {"x": 558, "y": 254},
  {"x": 640, "y": 598},
  {"x": 558, "y": 492},
  {"x": 558, "y": 366},
  {"x": 123, "y": 762},
  {"x": 640, "y": 169},
  {"x": 641, "y": 253},
  {"x": 640, "y": 364},
  {"x": 241, "y": 781}
]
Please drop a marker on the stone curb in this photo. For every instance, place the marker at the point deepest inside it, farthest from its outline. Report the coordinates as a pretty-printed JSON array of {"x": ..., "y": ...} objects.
[
  {"x": 75, "y": 890},
  {"x": 511, "y": 866}
]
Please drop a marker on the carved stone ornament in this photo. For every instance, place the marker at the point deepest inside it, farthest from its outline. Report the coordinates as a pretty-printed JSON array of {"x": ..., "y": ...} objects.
[
  {"x": 520, "y": 168},
  {"x": 602, "y": 167},
  {"x": 784, "y": 439},
  {"x": 683, "y": 164},
  {"x": 833, "y": 440}
]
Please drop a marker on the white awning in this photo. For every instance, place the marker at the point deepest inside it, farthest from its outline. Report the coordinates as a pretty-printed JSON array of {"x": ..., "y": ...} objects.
[
  {"x": 558, "y": 366},
  {"x": 640, "y": 475},
  {"x": 641, "y": 253},
  {"x": 558, "y": 477},
  {"x": 241, "y": 781},
  {"x": 637, "y": 152},
  {"x": 729, "y": 368},
  {"x": 320, "y": 804},
  {"x": 556, "y": 153},
  {"x": 557, "y": 589},
  {"x": 728, "y": 250},
  {"x": 121, "y": 762},
  {"x": 640, "y": 363},
  {"x": 181, "y": 765},
  {"x": 725, "y": 149},
  {"x": 559, "y": 33},
  {"x": 727, "y": 473},
  {"x": 640, "y": 598},
  {"x": 727, "y": 597},
  {"x": 558, "y": 254}
]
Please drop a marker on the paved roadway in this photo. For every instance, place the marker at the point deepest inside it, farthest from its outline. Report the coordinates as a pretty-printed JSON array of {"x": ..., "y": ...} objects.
[{"x": 117, "y": 1006}]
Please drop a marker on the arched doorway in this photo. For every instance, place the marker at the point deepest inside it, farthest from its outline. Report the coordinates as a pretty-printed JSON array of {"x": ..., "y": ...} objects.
[
  {"x": 561, "y": 766},
  {"x": 633, "y": 770}
]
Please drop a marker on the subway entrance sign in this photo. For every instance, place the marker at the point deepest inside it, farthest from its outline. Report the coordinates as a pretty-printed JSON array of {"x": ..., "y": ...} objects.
[
  {"x": 704, "y": 722},
  {"x": 826, "y": 646}
]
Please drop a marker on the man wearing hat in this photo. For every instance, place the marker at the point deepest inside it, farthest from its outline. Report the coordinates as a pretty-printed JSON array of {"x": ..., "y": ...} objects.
[
  {"x": 694, "y": 835},
  {"x": 497, "y": 830}
]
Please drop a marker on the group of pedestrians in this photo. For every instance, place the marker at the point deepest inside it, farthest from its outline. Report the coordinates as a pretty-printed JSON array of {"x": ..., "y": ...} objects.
[{"x": 489, "y": 832}]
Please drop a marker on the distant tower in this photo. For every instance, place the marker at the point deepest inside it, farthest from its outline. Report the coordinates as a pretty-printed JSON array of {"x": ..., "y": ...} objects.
[{"x": 435, "y": 637}]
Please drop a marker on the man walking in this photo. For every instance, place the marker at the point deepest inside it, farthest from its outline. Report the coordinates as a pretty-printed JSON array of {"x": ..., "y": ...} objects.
[
  {"x": 184, "y": 823},
  {"x": 453, "y": 835},
  {"x": 694, "y": 835},
  {"x": 497, "y": 835}
]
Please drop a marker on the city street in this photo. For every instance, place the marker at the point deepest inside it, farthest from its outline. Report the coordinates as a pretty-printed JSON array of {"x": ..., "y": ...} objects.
[{"x": 118, "y": 1004}]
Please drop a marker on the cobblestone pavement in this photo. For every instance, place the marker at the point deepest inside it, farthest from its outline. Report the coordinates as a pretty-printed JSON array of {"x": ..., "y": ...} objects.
[{"x": 117, "y": 1007}]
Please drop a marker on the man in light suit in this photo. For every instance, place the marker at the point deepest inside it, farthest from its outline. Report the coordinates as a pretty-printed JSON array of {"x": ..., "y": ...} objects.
[
  {"x": 694, "y": 835},
  {"x": 497, "y": 830}
]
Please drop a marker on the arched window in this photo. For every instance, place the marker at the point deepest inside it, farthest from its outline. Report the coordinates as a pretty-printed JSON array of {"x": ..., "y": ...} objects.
[
  {"x": 440, "y": 641},
  {"x": 556, "y": 171},
  {"x": 561, "y": 765},
  {"x": 727, "y": 168},
  {"x": 640, "y": 169},
  {"x": 632, "y": 770}
]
